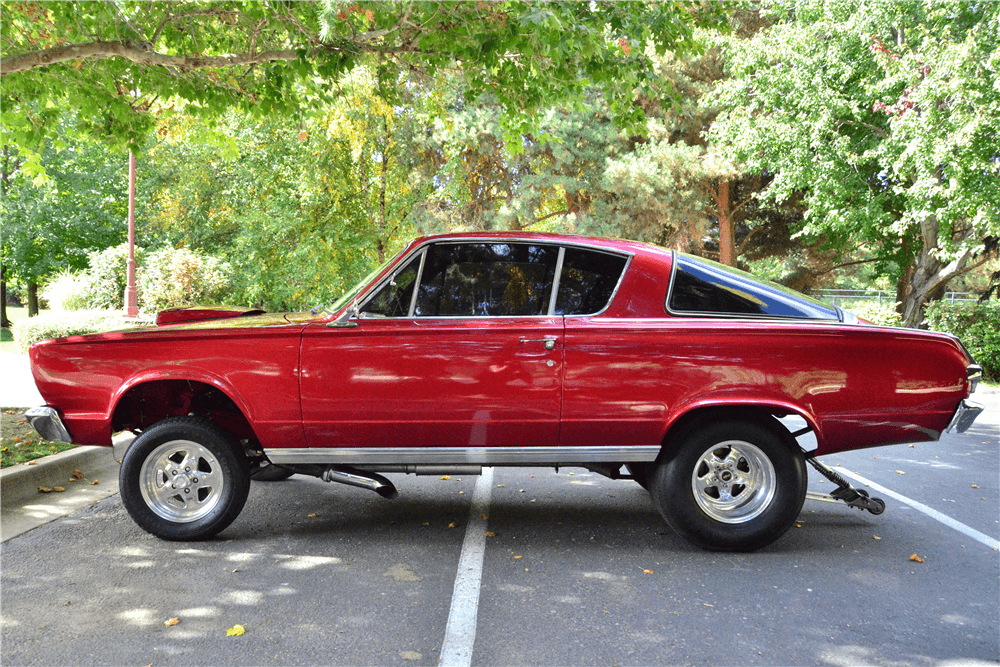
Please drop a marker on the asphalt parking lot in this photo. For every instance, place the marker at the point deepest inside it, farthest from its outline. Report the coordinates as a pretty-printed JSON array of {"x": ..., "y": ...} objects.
[{"x": 565, "y": 569}]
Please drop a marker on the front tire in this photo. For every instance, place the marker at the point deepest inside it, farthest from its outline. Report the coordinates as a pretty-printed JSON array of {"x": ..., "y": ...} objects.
[
  {"x": 185, "y": 478},
  {"x": 731, "y": 486}
]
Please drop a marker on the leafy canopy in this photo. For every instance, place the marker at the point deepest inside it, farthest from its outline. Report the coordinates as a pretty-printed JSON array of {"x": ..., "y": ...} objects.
[{"x": 121, "y": 63}]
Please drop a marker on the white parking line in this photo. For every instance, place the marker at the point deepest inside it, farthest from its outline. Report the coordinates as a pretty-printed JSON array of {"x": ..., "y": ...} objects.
[
  {"x": 460, "y": 633},
  {"x": 933, "y": 513}
]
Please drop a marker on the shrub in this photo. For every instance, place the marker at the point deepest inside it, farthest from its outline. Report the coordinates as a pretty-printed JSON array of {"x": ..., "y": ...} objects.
[
  {"x": 70, "y": 323},
  {"x": 108, "y": 276},
  {"x": 883, "y": 314},
  {"x": 977, "y": 325},
  {"x": 180, "y": 277},
  {"x": 68, "y": 291}
]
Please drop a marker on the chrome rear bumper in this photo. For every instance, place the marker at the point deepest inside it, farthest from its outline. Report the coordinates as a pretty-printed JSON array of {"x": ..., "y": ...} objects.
[
  {"x": 48, "y": 424},
  {"x": 964, "y": 416}
]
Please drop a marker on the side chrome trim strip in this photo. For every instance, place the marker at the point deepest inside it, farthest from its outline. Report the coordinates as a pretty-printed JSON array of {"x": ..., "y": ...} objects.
[{"x": 511, "y": 456}]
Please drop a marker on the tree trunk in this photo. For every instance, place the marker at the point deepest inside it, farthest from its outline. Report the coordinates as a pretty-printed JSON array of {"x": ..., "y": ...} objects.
[
  {"x": 32, "y": 299},
  {"x": 4, "y": 322},
  {"x": 727, "y": 233},
  {"x": 926, "y": 279}
]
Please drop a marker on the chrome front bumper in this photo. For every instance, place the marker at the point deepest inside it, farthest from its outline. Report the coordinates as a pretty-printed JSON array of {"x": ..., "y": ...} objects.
[
  {"x": 48, "y": 424},
  {"x": 964, "y": 416}
]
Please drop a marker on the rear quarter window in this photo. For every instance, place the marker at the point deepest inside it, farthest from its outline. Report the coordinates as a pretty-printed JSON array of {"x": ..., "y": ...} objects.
[{"x": 703, "y": 287}]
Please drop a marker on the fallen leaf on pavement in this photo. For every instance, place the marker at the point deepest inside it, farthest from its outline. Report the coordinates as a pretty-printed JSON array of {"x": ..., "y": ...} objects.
[
  {"x": 446, "y": 477},
  {"x": 44, "y": 489},
  {"x": 516, "y": 557},
  {"x": 900, "y": 472},
  {"x": 916, "y": 559},
  {"x": 647, "y": 572},
  {"x": 95, "y": 482},
  {"x": 490, "y": 533},
  {"x": 485, "y": 516},
  {"x": 876, "y": 537},
  {"x": 235, "y": 631},
  {"x": 451, "y": 525},
  {"x": 76, "y": 475},
  {"x": 975, "y": 486},
  {"x": 172, "y": 621}
]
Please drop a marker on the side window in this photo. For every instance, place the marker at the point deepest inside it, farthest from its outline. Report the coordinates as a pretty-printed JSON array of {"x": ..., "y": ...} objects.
[
  {"x": 486, "y": 280},
  {"x": 703, "y": 287},
  {"x": 588, "y": 281},
  {"x": 393, "y": 298}
]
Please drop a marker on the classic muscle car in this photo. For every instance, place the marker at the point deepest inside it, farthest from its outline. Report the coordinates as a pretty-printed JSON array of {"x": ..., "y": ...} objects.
[{"x": 474, "y": 350}]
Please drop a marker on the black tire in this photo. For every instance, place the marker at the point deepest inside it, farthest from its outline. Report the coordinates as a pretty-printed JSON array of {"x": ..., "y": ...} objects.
[
  {"x": 211, "y": 472},
  {"x": 731, "y": 486},
  {"x": 271, "y": 473}
]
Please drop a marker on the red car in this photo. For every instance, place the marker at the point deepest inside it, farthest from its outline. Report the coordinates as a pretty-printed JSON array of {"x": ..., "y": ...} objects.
[{"x": 474, "y": 350}]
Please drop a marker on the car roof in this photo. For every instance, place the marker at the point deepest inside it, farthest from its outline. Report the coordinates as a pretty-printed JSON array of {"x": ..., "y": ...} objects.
[{"x": 621, "y": 245}]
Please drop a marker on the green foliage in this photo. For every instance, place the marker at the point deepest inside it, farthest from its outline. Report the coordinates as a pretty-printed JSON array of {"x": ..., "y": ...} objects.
[
  {"x": 883, "y": 118},
  {"x": 60, "y": 204},
  {"x": 119, "y": 62},
  {"x": 977, "y": 325},
  {"x": 883, "y": 314},
  {"x": 68, "y": 323},
  {"x": 68, "y": 291},
  {"x": 108, "y": 277},
  {"x": 179, "y": 277}
]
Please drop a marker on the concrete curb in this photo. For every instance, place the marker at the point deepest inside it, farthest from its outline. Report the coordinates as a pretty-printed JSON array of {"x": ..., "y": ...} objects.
[
  {"x": 23, "y": 507},
  {"x": 22, "y": 481}
]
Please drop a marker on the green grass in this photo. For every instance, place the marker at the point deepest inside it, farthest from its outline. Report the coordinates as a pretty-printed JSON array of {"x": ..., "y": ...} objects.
[{"x": 18, "y": 441}]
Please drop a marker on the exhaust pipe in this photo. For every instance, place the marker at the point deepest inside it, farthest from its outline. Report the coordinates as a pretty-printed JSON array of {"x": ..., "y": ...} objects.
[{"x": 366, "y": 480}]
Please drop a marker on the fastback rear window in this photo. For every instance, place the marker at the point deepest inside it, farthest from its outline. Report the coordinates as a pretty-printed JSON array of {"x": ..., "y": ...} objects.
[{"x": 703, "y": 287}]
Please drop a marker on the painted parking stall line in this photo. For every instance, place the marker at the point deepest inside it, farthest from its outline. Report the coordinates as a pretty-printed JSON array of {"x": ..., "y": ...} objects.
[
  {"x": 933, "y": 513},
  {"x": 460, "y": 633}
]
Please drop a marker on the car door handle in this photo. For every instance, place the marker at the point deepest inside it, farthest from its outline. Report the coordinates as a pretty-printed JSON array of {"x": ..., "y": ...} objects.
[{"x": 550, "y": 343}]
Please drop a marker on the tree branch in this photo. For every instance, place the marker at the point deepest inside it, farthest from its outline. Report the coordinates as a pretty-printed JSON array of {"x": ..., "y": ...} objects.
[{"x": 136, "y": 53}]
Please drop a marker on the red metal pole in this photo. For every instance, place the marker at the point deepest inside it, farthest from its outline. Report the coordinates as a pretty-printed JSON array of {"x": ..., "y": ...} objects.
[{"x": 131, "y": 293}]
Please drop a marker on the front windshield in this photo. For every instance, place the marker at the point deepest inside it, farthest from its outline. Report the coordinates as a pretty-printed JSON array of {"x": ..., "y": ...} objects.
[{"x": 356, "y": 290}]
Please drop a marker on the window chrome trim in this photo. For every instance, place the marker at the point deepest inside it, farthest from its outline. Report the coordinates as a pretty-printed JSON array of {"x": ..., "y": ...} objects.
[
  {"x": 512, "y": 456},
  {"x": 416, "y": 283},
  {"x": 555, "y": 281}
]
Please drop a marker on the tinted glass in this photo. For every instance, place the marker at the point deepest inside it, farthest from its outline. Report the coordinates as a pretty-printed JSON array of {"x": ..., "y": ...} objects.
[
  {"x": 486, "y": 279},
  {"x": 588, "y": 281},
  {"x": 393, "y": 298},
  {"x": 703, "y": 286}
]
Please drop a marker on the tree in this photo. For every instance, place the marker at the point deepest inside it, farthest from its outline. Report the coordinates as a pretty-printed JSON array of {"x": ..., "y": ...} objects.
[
  {"x": 884, "y": 117},
  {"x": 119, "y": 63},
  {"x": 59, "y": 205}
]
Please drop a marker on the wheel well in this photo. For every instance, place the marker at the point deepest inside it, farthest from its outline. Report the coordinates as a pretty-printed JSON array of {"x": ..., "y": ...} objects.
[
  {"x": 150, "y": 402},
  {"x": 713, "y": 414}
]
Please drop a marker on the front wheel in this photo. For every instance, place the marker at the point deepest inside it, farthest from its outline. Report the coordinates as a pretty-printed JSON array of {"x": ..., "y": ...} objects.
[
  {"x": 731, "y": 486},
  {"x": 185, "y": 478}
]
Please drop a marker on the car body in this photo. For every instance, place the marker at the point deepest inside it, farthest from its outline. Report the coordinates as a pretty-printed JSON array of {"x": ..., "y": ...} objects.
[{"x": 509, "y": 349}]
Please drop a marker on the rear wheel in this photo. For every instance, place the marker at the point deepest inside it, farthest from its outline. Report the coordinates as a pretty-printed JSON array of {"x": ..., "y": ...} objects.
[
  {"x": 184, "y": 478},
  {"x": 731, "y": 486}
]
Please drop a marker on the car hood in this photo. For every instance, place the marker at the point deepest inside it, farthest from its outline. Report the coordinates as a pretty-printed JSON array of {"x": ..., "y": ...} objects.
[{"x": 200, "y": 313}]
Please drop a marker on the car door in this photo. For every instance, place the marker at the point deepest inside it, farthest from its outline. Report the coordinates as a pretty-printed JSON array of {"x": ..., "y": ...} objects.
[{"x": 456, "y": 349}]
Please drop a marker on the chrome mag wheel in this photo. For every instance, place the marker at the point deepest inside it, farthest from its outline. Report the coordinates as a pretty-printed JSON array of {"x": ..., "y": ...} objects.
[
  {"x": 181, "y": 481},
  {"x": 733, "y": 482}
]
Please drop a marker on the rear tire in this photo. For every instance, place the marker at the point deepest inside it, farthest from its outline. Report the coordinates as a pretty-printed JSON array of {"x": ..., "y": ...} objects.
[
  {"x": 731, "y": 486},
  {"x": 184, "y": 478}
]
